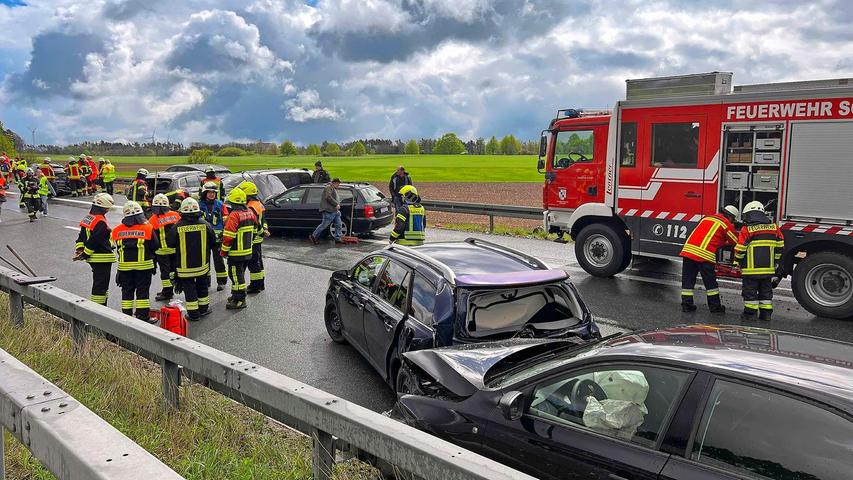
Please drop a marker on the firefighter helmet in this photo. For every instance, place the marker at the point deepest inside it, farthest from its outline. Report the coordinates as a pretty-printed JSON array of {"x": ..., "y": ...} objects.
[
  {"x": 248, "y": 188},
  {"x": 210, "y": 170},
  {"x": 409, "y": 192},
  {"x": 30, "y": 171},
  {"x": 237, "y": 197},
  {"x": 104, "y": 200},
  {"x": 189, "y": 205},
  {"x": 142, "y": 172},
  {"x": 753, "y": 206},
  {"x": 70, "y": 159},
  {"x": 101, "y": 160},
  {"x": 160, "y": 200},
  {"x": 731, "y": 210},
  {"x": 82, "y": 156},
  {"x": 210, "y": 187},
  {"x": 46, "y": 159},
  {"x": 131, "y": 208}
]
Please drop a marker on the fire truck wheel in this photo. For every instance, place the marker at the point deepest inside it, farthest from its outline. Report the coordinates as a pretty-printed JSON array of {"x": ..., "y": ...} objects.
[
  {"x": 600, "y": 250},
  {"x": 823, "y": 284}
]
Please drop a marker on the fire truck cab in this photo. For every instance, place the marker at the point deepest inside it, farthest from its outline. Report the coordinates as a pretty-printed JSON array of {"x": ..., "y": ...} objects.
[{"x": 635, "y": 181}]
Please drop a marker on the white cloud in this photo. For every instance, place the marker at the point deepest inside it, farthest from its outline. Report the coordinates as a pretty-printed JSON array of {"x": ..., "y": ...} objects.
[{"x": 306, "y": 107}]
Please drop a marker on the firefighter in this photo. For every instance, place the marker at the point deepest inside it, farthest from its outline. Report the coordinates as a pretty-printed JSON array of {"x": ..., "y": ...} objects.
[
  {"x": 5, "y": 168},
  {"x": 139, "y": 190},
  {"x": 94, "y": 172},
  {"x": 85, "y": 173},
  {"x": 30, "y": 194},
  {"x": 73, "y": 171},
  {"x": 758, "y": 250},
  {"x": 176, "y": 198},
  {"x": 3, "y": 188},
  {"x": 699, "y": 255},
  {"x": 136, "y": 244},
  {"x": 214, "y": 212},
  {"x": 45, "y": 190},
  {"x": 20, "y": 175},
  {"x": 193, "y": 240},
  {"x": 210, "y": 176},
  {"x": 47, "y": 169},
  {"x": 163, "y": 219},
  {"x": 95, "y": 247},
  {"x": 237, "y": 246},
  {"x": 410, "y": 224},
  {"x": 108, "y": 175},
  {"x": 256, "y": 264}
]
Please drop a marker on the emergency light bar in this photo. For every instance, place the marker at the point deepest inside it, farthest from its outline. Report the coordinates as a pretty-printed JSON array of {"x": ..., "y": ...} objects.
[{"x": 580, "y": 112}]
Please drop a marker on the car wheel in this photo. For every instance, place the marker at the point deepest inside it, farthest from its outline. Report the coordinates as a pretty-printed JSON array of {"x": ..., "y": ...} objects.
[
  {"x": 406, "y": 383},
  {"x": 344, "y": 230},
  {"x": 823, "y": 284},
  {"x": 333, "y": 322},
  {"x": 600, "y": 250}
]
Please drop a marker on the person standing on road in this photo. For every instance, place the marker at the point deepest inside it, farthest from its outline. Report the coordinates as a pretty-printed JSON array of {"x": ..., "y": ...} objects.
[
  {"x": 95, "y": 247},
  {"x": 73, "y": 171},
  {"x": 210, "y": 176},
  {"x": 139, "y": 190},
  {"x": 699, "y": 255},
  {"x": 163, "y": 219},
  {"x": 237, "y": 246},
  {"x": 108, "y": 176},
  {"x": 758, "y": 250},
  {"x": 214, "y": 213},
  {"x": 256, "y": 264},
  {"x": 193, "y": 240},
  {"x": 30, "y": 194},
  {"x": 330, "y": 207},
  {"x": 5, "y": 168},
  {"x": 320, "y": 174},
  {"x": 94, "y": 173},
  {"x": 85, "y": 173},
  {"x": 136, "y": 243},
  {"x": 20, "y": 175},
  {"x": 45, "y": 190},
  {"x": 410, "y": 224},
  {"x": 47, "y": 170},
  {"x": 3, "y": 188},
  {"x": 399, "y": 180}
]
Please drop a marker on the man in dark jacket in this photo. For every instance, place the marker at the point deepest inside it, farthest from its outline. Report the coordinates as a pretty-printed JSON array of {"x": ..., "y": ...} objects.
[
  {"x": 399, "y": 180},
  {"x": 758, "y": 250},
  {"x": 330, "y": 207},
  {"x": 320, "y": 174},
  {"x": 193, "y": 240}
]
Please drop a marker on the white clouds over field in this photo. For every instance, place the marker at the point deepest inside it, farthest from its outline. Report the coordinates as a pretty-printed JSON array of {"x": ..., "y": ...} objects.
[{"x": 215, "y": 70}]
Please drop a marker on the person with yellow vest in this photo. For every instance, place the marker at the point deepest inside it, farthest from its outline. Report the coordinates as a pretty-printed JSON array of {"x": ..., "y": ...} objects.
[
  {"x": 85, "y": 174},
  {"x": 214, "y": 212},
  {"x": 47, "y": 169},
  {"x": 699, "y": 255},
  {"x": 256, "y": 264},
  {"x": 237, "y": 244},
  {"x": 410, "y": 224},
  {"x": 138, "y": 191},
  {"x": 193, "y": 240},
  {"x": 45, "y": 190},
  {"x": 758, "y": 251},
  {"x": 163, "y": 219},
  {"x": 95, "y": 247},
  {"x": 108, "y": 175},
  {"x": 72, "y": 169},
  {"x": 136, "y": 243}
]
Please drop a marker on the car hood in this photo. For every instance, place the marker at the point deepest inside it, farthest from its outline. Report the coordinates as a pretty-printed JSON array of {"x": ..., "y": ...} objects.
[{"x": 462, "y": 369}]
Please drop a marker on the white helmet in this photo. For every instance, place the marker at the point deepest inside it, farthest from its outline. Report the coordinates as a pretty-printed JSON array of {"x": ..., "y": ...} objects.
[
  {"x": 189, "y": 205},
  {"x": 83, "y": 155},
  {"x": 210, "y": 187},
  {"x": 101, "y": 159},
  {"x": 142, "y": 171},
  {"x": 46, "y": 159},
  {"x": 731, "y": 210},
  {"x": 160, "y": 200},
  {"x": 753, "y": 206},
  {"x": 103, "y": 200},
  {"x": 71, "y": 159},
  {"x": 131, "y": 208}
]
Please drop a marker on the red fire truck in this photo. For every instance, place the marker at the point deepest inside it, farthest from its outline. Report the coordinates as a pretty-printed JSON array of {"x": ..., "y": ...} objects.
[{"x": 635, "y": 181}]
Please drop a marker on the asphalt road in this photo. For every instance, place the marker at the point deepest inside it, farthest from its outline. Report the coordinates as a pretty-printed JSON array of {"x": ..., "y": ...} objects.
[{"x": 283, "y": 329}]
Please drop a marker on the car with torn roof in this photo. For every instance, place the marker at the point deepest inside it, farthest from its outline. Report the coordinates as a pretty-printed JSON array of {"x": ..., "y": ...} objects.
[
  {"x": 401, "y": 299},
  {"x": 696, "y": 402},
  {"x": 199, "y": 167}
]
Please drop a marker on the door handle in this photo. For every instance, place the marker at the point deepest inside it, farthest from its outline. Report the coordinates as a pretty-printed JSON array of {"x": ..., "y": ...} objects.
[
  {"x": 389, "y": 326},
  {"x": 693, "y": 195},
  {"x": 359, "y": 305}
]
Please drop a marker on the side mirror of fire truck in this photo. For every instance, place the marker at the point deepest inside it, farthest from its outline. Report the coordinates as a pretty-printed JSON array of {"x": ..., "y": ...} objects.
[{"x": 543, "y": 150}]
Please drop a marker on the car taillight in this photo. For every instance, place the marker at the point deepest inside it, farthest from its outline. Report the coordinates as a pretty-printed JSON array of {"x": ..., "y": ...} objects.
[{"x": 368, "y": 211}]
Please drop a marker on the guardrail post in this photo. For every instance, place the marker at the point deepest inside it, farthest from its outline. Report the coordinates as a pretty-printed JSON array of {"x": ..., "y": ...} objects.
[
  {"x": 323, "y": 455},
  {"x": 491, "y": 223},
  {"x": 16, "y": 309},
  {"x": 2, "y": 453},
  {"x": 78, "y": 333},
  {"x": 171, "y": 382}
]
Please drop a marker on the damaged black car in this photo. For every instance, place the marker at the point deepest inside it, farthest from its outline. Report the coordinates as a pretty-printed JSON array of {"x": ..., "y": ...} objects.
[{"x": 402, "y": 299}]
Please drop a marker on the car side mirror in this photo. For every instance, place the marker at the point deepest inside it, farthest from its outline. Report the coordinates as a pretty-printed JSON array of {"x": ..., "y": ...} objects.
[
  {"x": 512, "y": 405},
  {"x": 540, "y": 165},
  {"x": 340, "y": 275}
]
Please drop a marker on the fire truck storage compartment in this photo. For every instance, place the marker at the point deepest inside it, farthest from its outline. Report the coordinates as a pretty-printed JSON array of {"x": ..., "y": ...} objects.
[
  {"x": 751, "y": 164},
  {"x": 820, "y": 169}
]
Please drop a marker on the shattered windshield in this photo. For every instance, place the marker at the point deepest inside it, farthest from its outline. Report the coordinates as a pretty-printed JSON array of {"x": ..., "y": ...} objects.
[{"x": 546, "y": 307}]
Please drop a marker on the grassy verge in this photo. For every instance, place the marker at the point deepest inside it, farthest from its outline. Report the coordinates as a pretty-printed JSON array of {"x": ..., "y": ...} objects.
[
  {"x": 211, "y": 437},
  {"x": 500, "y": 230}
]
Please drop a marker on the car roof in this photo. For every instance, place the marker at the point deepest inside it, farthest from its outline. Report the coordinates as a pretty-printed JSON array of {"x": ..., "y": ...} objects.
[
  {"x": 172, "y": 175},
  {"x": 343, "y": 184},
  {"x": 816, "y": 364},
  {"x": 477, "y": 257},
  {"x": 280, "y": 170}
]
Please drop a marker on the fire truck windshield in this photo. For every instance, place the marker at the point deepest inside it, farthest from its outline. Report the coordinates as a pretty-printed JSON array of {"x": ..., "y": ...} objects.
[{"x": 573, "y": 146}]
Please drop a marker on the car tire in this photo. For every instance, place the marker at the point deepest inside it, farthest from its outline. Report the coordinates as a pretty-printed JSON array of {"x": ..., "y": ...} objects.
[
  {"x": 823, "y": 284},
  {"x": 406, "y": 383},
  {"x": 333, "y": 322},
  {"x": 600, "y": 250},
  {"x": 344, "y": 229}
]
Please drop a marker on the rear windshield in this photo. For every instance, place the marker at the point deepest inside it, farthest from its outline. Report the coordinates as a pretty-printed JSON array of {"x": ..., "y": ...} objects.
[
  {"x": 371, "y": 194},
  {"x": 293, "y": 179},
  {"x": 163, "y": 185},
  {"x": 544, "y": 307}
]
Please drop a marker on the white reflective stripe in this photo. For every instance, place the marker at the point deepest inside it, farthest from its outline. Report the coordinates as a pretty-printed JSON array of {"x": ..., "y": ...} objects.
[
  {"x": 618, "y": 210},
  {"x": 696, "y": 218},
  {"x": 798, "y": 226},
  {"x": 844, "y": 231},
  {"x": 647, "y": 214},
  {"x": 632, "y": 192},
  {"x": 679, "y": 216},
  {"x": 663, "y": 215},
  {"x": 631, "y": 212},
  {"x": 820, "y": 229}
]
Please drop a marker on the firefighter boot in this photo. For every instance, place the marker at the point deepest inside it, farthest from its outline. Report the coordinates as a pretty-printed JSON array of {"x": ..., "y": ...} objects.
[
  {"x": 687, "y": 304},
  {"x": 235, "y": 303},
  {"x": 748, "y": 314},
  {"x": 166, "y": 294},
  {"x": 765, "y": 314},
  {"x": 714, "y": 304}
]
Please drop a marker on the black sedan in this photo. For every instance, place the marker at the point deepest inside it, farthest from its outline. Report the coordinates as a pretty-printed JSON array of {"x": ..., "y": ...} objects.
[
  {"x": 403, "y": 299},
  {"x": 362, "y": 205},
  {"x": 694, "y": 403}
]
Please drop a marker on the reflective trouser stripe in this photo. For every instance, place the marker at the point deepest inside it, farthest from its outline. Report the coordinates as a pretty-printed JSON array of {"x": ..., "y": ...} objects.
[
  {"x": 256, "y": 276},
  {"x": 126, "y": 304},
  {"x": 221, "y": 274},
  {"x": 100, "y": 299},
  {"x": 713, "y": 291},
  {"x": 192, "y": 306},
  {"x": 167, "y": 283},
  {"x": 750, "y": 305},
  {"x": 204, "y": 301},
  {"x": 687, "y": 293},
  {"x": 765, "y": 304},
  {"x": 143, "y": 303}
]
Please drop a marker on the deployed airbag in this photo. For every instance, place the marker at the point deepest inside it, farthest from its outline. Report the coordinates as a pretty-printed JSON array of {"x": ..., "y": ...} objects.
[{"x": 617, "y": 418}]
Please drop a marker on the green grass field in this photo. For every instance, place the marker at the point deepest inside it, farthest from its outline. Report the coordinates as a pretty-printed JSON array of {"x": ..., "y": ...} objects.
[{"x": 375, "y": 168}]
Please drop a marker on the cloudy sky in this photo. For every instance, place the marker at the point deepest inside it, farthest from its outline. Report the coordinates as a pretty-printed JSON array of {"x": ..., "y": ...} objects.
[{"x": 221, "y": 70}]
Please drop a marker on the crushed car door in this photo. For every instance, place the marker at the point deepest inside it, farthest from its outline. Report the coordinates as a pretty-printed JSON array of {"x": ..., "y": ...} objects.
[{"x": 382, "y": 315}]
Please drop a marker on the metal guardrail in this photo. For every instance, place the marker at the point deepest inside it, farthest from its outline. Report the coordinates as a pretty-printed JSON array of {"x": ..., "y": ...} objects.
[
  {"x": 330, "y": 421},
  {"x": 68, "y": 439},
  {"x": 491, "y": 211}
]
